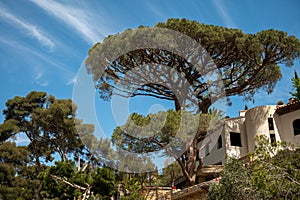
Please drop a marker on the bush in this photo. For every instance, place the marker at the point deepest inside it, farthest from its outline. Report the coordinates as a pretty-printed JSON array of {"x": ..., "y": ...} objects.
[{"x": 275, "y": 174}]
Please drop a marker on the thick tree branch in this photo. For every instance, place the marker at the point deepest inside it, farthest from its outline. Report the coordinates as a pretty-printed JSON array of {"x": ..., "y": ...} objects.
[{"x": 68, "y": 183}]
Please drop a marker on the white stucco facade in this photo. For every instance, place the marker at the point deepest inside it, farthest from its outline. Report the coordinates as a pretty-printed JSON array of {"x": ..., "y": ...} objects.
[
  {"x": 285, "y": 126},
  {"x": 238, "y": 134}
]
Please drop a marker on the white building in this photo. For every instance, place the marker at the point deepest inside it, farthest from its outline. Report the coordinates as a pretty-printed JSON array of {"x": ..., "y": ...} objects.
[{"x": 279, "y": 123}]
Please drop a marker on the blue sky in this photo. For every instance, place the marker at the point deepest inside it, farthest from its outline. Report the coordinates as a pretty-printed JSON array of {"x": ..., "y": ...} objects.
[{"x": 43, "y": 43}]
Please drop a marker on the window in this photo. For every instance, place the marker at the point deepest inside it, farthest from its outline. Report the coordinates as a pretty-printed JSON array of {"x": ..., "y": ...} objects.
[
  {"x": 235, "y": 139},
  {"x": 219, "y": 146},
  {"x": 273, "y": 138},
  {"x": 271, "y": 123},
  {"x": 296, "y": 126},
  {"x": 271, "y": 130}
]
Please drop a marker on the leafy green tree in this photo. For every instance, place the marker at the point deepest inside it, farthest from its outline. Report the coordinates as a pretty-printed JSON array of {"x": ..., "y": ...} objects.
[
  {"x": 16, "y": 178},
  {"x": 131, "y": 188},
  {"x": 296, "y": 87},
  {"x": 235, "y": 183},
  {"x": 275, "y": 172},
  {"x": 104, "y": 182},
  {"x": 49, "y": 124},
  {"x": 247, "y": 62},
  {"x": 170, "y": 131},
  {"x": 64, "y": 181}
]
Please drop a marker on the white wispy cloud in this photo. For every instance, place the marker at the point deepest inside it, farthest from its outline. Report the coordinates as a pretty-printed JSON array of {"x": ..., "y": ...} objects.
[
  {"x": 37, "y": 79},
  {"x": 221, "y": 8},
  {"x": 18, "y": 47},
  {"x": 72, "y": 81},
  {"x": 86, "y": 23},
  {"x": 31, "y": 29},
  {"x": 34, "y": 59},
  {"x": 44, "y": 84}
]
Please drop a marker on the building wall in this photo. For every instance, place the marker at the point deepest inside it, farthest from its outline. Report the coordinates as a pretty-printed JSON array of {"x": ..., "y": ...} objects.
[
  {"x": 252, "y": 123},
  {"x": 256, "y": 123},
  {"x": 216, "y": 155},
  {"x": 285, "y": 126},
  {"x": 236, "y": 125}
]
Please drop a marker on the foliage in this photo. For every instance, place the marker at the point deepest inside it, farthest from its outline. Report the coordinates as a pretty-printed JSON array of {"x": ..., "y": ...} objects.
[
  {"x": 55, "y": 188},
  {"x": 246, "y": 62},
  {"x": 276, "y": 170},
  {"x": 63, "y": 181},
  {"x": 104, "y": 182},
  {"x": 48, "y": 123},
  {"x": 234, "y": 184},
  {"x": 280, "y": 102},
  {"x": 296, "y": 87},
  {"x": 175, "y": 134},
  {"x": 16, "y": 176},
  {"x": 132, "y": 189},
  {"x": 139, "y": 136},
  {"x": 274, "y": 174},
  {"x": 52, "y": 128}
]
